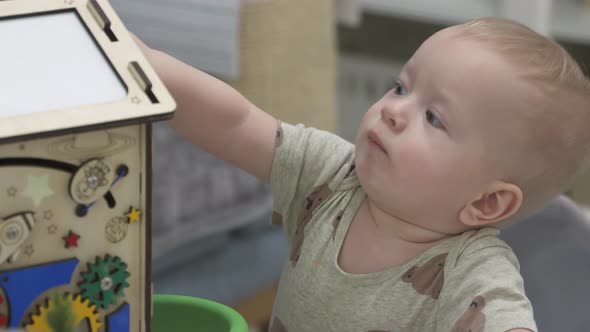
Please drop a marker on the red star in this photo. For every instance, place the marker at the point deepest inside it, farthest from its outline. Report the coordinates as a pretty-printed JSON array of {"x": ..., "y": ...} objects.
[{"x": 71, "y": 239}]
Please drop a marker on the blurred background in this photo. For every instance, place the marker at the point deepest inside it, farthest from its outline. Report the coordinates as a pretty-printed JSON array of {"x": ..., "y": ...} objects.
[{"x": 323, "y": 63}]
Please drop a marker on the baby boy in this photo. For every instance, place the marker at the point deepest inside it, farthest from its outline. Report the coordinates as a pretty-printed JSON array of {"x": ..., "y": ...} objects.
[{"x": 486, "y": 123}]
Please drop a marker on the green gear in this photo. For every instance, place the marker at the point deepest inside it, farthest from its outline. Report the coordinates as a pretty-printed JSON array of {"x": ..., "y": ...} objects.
[{"x": 104, "y": 281}]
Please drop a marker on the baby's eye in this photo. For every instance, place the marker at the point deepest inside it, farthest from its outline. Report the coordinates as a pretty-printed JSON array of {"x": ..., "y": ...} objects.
[
  {"x": 398, "y": 88},
  {"x": 434, "y": 120}
]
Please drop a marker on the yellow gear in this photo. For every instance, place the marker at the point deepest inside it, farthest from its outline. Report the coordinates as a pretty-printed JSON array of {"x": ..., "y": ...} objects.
[{"x": 81, "y": 310}]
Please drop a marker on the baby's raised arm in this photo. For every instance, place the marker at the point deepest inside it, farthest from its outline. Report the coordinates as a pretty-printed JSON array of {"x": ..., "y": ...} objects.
[{"x": 216, "y": 117}]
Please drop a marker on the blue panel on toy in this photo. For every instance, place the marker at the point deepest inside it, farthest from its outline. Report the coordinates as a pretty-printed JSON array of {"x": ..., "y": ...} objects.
[
  {"x": 119, "y": 320},
  {"x": 24, "y": 286}
]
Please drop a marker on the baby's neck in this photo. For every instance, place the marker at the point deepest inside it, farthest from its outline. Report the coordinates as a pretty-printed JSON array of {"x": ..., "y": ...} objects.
[
  {"x": 402, "y": 230},
  {"x": 376, "y": 241}
]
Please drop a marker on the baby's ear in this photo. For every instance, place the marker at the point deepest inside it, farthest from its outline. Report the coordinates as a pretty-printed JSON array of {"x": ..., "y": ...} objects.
[{"x": 499, "y": 202}]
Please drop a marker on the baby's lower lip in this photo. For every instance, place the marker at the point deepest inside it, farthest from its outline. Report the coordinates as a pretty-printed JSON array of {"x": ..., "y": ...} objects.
[{"x": 375, "y": 144}]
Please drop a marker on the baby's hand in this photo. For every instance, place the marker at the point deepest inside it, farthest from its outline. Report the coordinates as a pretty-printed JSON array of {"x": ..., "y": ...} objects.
[{"x": 142, "y": 46}]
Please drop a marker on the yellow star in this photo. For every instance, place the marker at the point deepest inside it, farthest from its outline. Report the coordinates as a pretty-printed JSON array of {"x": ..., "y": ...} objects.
[{"x": 133, "y": 215}]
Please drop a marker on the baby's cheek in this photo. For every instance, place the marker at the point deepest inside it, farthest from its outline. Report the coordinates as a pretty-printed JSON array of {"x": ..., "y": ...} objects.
[
  {"x": 427, "y": 174},
  {"x": 416, "y": 164}
]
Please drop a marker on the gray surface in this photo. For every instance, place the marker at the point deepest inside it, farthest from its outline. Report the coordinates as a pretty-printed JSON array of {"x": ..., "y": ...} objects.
[
  {"x": 196, "y": 195},
  {"x": 210, "y": 224},
  {"x": 553, "y": 248},
  {"x": 229, "y": 273},
  {"x": 209, "y": 28}
]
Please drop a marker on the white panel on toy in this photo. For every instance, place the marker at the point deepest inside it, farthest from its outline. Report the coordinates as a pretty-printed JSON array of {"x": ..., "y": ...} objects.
[
  {"x": 76, "y": 101},
  {"x": 71, "y": 64},
  {"x": 72, "y": 70}
]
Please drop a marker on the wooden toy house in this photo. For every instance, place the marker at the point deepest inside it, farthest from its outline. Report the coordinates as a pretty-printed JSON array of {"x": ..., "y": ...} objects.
[{"x": 76, "y": 101}]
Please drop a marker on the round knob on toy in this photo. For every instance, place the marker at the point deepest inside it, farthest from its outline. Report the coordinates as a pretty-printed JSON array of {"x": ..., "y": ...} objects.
[{"x": 91, "y": 181}]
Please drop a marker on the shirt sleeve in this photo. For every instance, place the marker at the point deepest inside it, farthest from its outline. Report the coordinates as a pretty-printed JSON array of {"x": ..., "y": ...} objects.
[
  {"x": 484, "y": 292},
  {"x": 307, "y": 165}
]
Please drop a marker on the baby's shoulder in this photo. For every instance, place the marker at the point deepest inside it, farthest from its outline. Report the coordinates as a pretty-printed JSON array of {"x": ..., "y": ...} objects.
[{"x": 483, "y": 244}]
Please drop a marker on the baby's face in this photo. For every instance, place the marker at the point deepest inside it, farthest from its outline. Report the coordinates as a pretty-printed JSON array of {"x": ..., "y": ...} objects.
[{"x": 423, "y": 151}]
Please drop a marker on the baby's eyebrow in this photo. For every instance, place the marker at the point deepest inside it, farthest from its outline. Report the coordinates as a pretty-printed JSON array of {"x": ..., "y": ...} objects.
[
  {"x": 446, "y": 97},
  {"x": 409, "y": 66},
  {"x": 406, "y": 74}
]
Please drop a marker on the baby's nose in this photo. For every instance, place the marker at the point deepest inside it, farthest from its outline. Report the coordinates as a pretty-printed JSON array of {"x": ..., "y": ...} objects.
[{"x": 393, "y": 117}]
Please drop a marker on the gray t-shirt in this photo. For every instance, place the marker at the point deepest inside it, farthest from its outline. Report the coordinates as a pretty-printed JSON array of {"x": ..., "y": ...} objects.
[{"x": 470, "y": 282}]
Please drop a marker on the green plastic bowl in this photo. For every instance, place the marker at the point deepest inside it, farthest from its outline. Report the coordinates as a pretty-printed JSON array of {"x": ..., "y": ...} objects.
[{"x": 175, "y": 313}]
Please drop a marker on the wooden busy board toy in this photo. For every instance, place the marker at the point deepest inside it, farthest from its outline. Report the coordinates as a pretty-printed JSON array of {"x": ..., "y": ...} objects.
[{"x": 76, "y": 101}]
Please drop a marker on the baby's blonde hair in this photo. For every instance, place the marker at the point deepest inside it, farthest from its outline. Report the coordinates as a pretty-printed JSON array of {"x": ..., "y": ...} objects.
[{"x": 557, "y": 130}]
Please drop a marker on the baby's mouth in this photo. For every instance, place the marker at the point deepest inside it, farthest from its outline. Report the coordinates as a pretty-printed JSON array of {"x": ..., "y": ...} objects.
[{"x": 374, "y": 140}]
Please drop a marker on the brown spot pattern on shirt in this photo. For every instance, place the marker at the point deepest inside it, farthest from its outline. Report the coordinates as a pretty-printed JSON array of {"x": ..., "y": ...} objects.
[
  {"x": 473, "y": 319},
  {"x": 276, "y": 219},
  {"x": 429, "y": 278},
  {"x": 350, "y": 170},
  {"x": 318, "y": 195},
  {"x": 336, "y": 223},
  {"x": 279, "y": 135}
]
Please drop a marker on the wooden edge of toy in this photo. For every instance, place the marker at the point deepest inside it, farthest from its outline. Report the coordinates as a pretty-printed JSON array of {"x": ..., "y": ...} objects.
[{"x": 146, "y": 99}]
